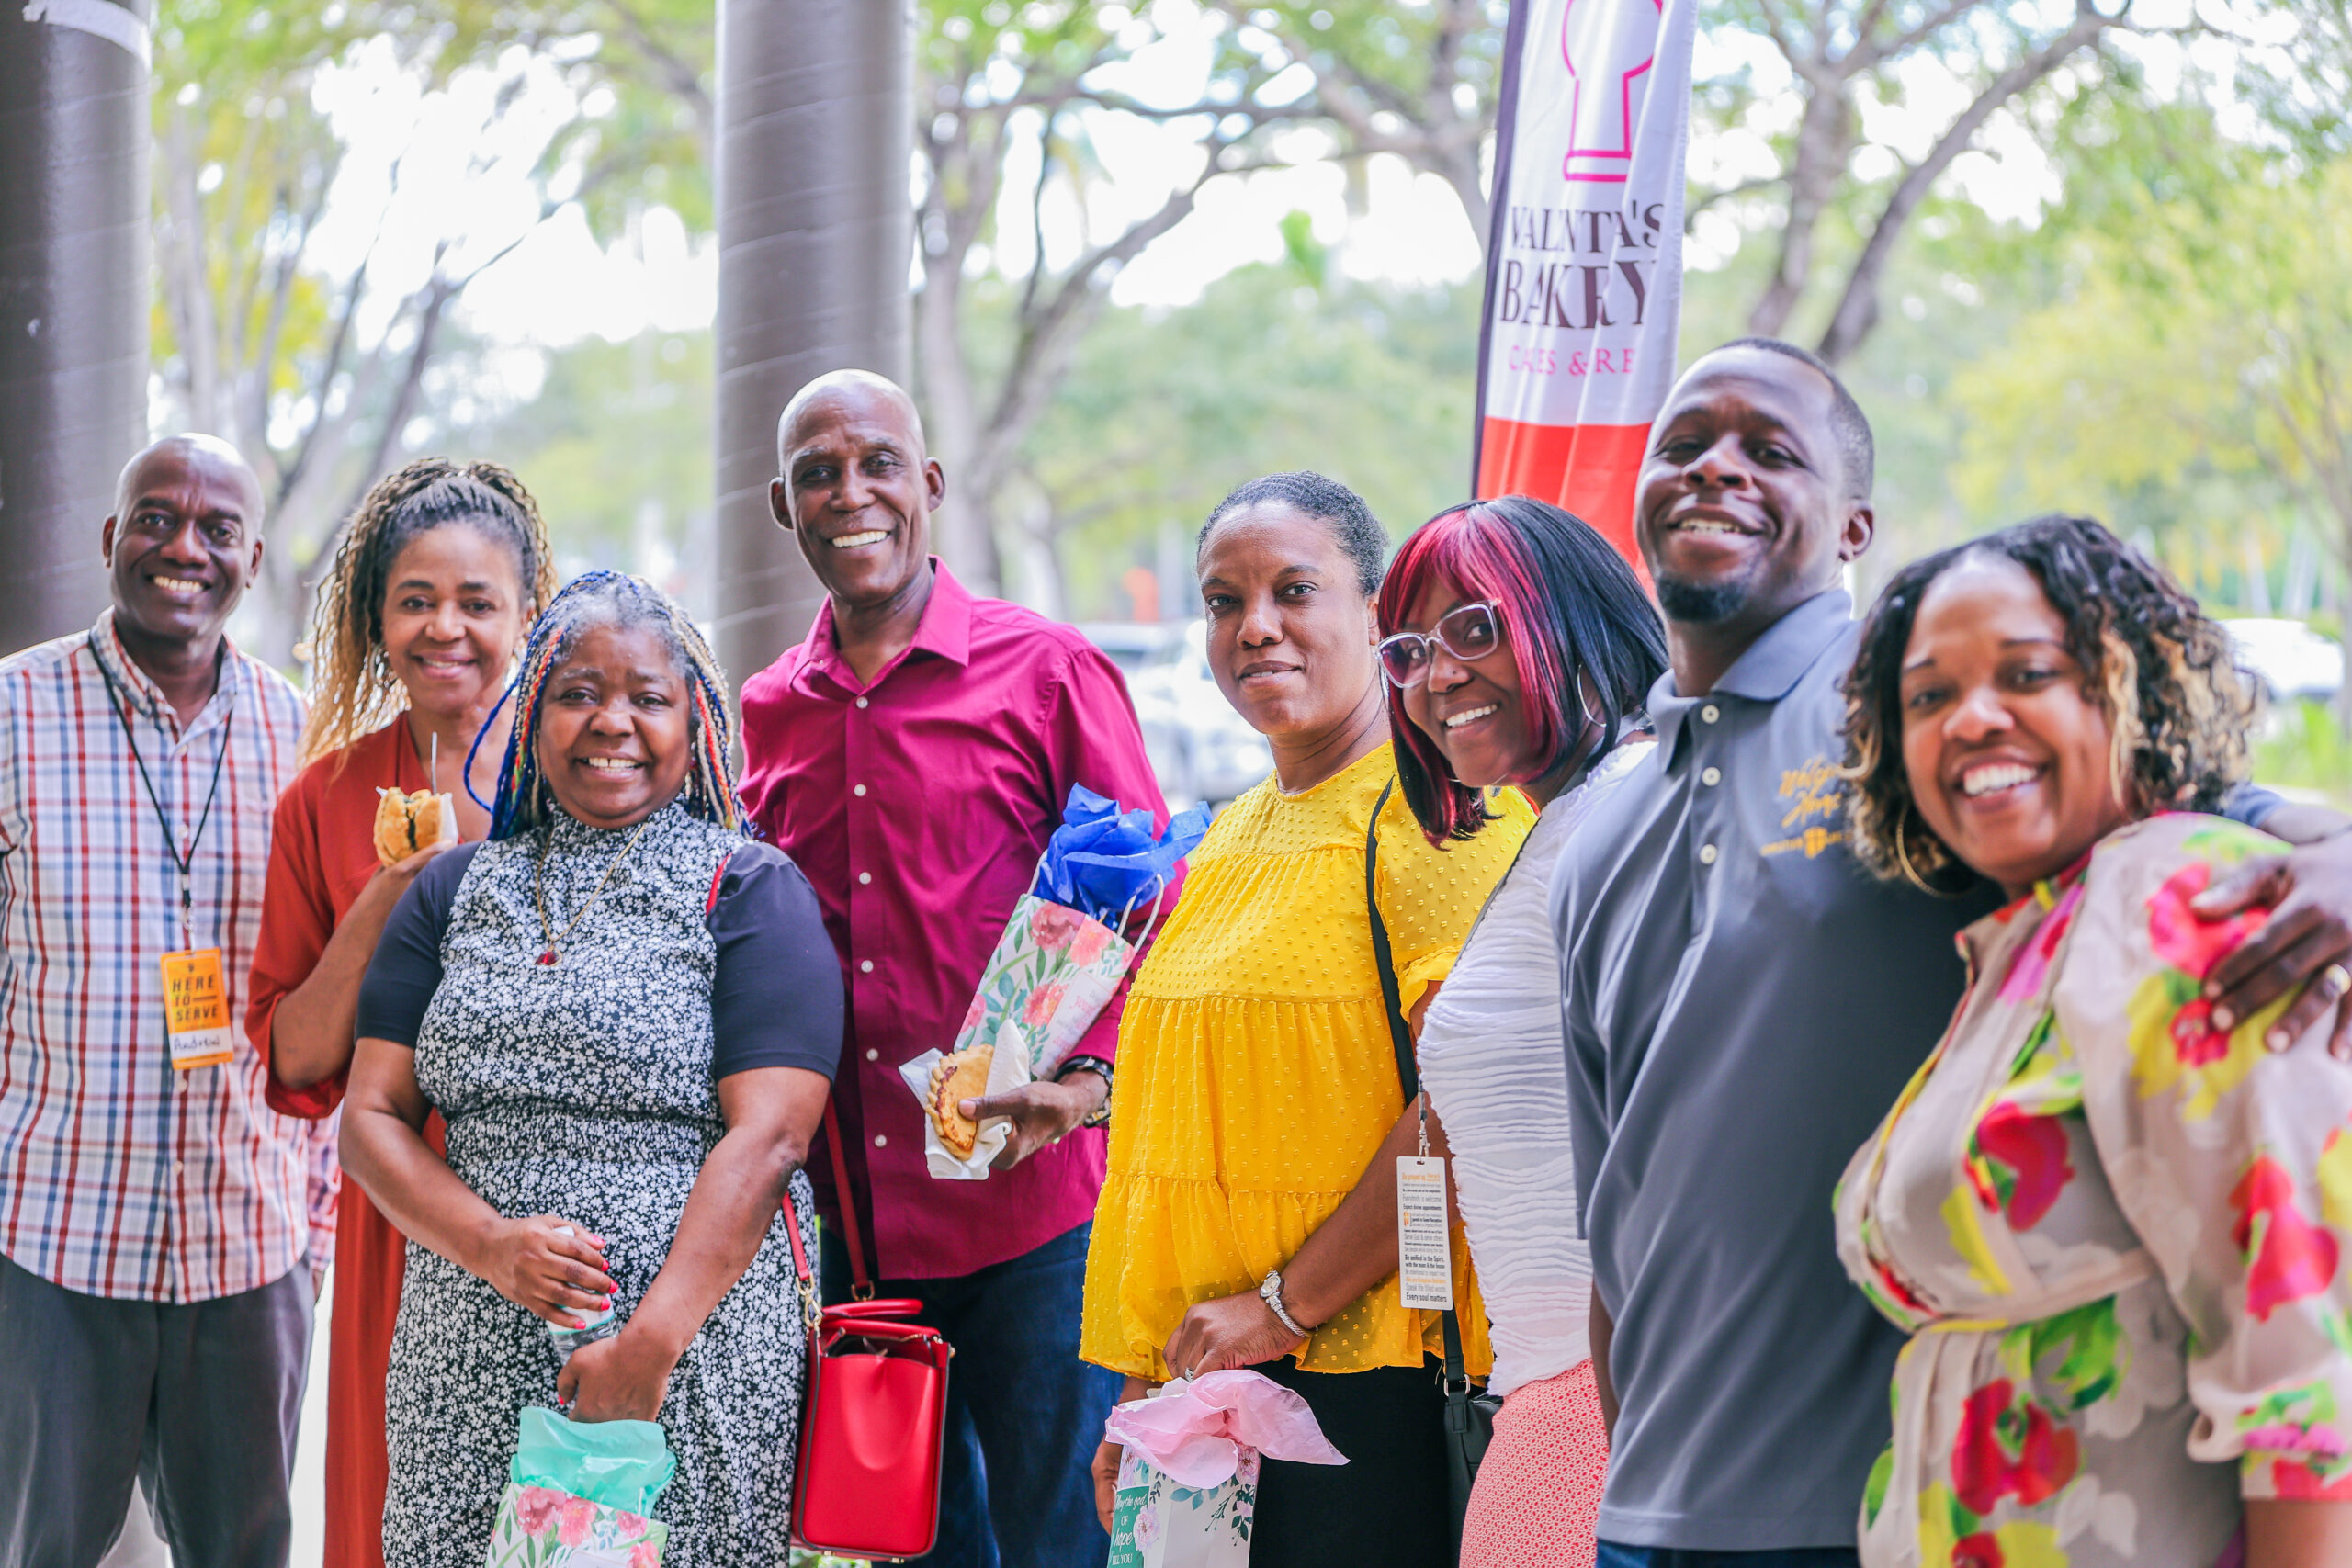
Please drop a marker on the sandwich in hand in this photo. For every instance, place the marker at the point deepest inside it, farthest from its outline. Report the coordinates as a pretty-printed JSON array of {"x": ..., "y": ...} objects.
[
  {"x": 955, "y": 1077},
  {"x": 407, "y": 823}
]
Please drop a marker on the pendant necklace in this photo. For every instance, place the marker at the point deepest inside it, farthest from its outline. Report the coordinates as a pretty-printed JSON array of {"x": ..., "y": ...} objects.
[{"x": 538, "y": 890}]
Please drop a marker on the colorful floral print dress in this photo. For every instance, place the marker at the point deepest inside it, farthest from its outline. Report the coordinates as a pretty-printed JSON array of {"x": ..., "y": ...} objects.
[{"x": 2117, "y": 1233}]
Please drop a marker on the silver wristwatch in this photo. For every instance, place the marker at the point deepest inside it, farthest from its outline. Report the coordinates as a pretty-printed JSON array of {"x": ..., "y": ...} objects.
[{"x": 1270, "y": 1291}]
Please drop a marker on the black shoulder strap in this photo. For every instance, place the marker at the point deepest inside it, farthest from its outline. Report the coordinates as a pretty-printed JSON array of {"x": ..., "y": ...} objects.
[{"x": 1400, "y": 1035}]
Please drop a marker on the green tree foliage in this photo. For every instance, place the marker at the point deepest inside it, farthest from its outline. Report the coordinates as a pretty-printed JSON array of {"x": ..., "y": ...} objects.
[
  {"x": 316, "y": 365},
  {"x": 2195, "y": 376}
]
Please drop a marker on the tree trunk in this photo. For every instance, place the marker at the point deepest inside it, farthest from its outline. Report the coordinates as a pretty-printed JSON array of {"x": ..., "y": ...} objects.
[
  {"x": 1824, "y": 136},
  {"x": 1857, "y": 313}
]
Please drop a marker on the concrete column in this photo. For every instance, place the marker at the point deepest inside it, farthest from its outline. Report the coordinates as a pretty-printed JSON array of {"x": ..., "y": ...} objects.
[
  {"x": 816, "y": 229},
  {"x": 73, "y": 299}
]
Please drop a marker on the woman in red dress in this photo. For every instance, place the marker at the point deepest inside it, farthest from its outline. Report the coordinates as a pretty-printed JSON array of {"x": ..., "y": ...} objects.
[{"x": 437, "y": 577}]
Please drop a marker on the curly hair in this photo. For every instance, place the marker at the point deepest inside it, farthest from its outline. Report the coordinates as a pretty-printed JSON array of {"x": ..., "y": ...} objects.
[
  {"x": 353, "y": 688},
  {"x": 2159, "y": 668},
  {"x": 615, "y": 599}
]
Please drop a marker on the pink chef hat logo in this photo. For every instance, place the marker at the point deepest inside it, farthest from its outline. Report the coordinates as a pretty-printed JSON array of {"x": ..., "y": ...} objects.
[{"x": 1609, "y": 46}]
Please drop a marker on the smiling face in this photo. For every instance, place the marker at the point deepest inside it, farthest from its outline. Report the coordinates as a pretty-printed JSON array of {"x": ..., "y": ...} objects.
[
  {"x": 184, "y": 543},
  {"x": 453, "y": 616},
  {"x": 615, "y": 740},
  {"x": 857, "y": 489},
  {"x": 1471, "y": 708},
  {"x": 1290, "y": 633},
  {"x": 1743, "y": 511},
  {"x": 2007, "y": 754}
]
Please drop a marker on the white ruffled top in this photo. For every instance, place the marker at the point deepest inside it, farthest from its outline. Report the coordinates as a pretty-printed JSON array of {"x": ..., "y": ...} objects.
[{"x": 1493, "y": 1064}]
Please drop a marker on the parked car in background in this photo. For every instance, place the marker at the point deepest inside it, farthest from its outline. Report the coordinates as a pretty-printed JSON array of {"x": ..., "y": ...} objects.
[
  {"x": 1200, "y": 750},
  {"x": 2288, "y": 658}
]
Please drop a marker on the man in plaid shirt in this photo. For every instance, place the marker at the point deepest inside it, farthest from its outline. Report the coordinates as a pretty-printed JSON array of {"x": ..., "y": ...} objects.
[{"x": 154, "y": 1214}]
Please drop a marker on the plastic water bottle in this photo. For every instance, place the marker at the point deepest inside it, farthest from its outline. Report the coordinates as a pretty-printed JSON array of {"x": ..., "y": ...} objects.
[{"x": 602, "y": 1324}]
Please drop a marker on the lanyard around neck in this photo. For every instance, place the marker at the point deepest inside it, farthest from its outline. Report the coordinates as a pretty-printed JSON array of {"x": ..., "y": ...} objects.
[{"x": 184, "y": 861}]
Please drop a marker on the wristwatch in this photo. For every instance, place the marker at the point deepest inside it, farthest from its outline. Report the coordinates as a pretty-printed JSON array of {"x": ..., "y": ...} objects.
[
  {"x": 1270, "y": 1291},
  {"x": 1100, "y": 1115}
]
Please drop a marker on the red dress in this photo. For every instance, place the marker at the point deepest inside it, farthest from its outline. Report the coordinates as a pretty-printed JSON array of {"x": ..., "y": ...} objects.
[{"x": 323, "y": 851}]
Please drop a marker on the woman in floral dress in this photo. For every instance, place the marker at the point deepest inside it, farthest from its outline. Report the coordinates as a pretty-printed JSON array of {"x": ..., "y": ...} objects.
[
  {"x": 628, "y": 1016},
  {"x": 2119, "y": 1231}
]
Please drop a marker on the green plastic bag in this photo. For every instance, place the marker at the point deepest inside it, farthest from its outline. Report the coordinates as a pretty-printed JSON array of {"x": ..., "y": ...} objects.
[
  {"x": 578, "y": 1495},
  {"x": 622, "y": 1464}
]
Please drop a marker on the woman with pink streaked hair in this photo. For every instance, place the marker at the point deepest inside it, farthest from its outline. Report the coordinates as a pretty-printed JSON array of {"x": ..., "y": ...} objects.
[{"x": 1519, "y": 648}]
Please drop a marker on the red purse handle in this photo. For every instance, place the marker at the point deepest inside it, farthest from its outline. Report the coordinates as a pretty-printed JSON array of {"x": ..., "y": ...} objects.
[{"x": 861, "y": 1283}]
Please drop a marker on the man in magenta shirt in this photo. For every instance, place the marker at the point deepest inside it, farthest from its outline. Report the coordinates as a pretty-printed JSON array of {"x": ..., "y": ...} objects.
[{"x": 913, "y": 756}]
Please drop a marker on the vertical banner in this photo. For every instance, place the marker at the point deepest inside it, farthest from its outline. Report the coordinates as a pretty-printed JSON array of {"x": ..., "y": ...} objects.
[{"x": 1584, "y": 265}]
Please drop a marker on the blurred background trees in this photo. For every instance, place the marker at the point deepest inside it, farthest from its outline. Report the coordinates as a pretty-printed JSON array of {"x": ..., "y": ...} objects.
[{"x": 2070, "y": 255}]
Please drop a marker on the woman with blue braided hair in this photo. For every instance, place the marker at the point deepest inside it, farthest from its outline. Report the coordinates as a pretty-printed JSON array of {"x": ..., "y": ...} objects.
[{"x": 628, "y": 1015}]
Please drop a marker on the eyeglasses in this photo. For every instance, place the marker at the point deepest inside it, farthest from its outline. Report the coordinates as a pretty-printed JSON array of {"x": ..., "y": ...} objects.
[{"x": 1469, "y": 633}]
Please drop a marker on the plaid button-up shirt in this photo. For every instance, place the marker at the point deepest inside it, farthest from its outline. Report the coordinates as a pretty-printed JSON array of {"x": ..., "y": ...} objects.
[{"x": 121, "y": 1177}]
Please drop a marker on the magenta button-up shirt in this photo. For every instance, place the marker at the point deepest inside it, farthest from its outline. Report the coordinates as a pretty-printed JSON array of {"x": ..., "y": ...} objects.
[{"x": 917, "y": 805}]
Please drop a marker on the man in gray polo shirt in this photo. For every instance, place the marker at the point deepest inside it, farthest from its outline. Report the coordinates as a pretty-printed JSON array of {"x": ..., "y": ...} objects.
[{"x": 1742, "y": 1002}]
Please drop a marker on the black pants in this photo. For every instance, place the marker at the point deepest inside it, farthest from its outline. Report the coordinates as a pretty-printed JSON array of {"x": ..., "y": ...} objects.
[
  {"x": 198, "y": 1401},
  {"x": 1387, "y": 1504}
]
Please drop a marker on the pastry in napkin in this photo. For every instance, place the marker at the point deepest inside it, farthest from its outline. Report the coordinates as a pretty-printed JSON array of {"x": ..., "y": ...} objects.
[{"x": 955, "y": 1077}]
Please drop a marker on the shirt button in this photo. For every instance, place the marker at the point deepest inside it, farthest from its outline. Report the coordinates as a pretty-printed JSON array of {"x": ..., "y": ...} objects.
[
  {"x": 864, "y": 878},
  {"x": 1711, "y": 776},
  {"x": 1707, "y": 714},
  {"x": 872, "y": 1054},
  {"x": 857, "y": 789},
  {"x": 881, "y": 1141},
  {"x": 177, "y": 1168},
  {"x": 1706, "y": 854},
  {"x": 866, "y": 967},
  {"x": 861, "y": 702}
]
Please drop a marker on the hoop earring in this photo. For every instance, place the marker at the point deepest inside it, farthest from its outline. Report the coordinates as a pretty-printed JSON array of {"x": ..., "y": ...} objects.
[{"x": 1902, "y": 857}]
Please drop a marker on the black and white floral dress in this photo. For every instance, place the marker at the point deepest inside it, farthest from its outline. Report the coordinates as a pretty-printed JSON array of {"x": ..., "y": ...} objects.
[{"x": 588, "y": 1088}]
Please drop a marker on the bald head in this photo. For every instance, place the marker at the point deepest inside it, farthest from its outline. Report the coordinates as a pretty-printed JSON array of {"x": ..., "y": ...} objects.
[
  {"x": 182, "y": 547},
  {"x": 855, "y": 485},
  {"x": 859, "y": 394},
  {"x": 191, "y": 451}
]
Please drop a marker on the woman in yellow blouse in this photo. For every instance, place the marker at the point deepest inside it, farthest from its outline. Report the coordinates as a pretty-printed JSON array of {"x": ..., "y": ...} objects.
[{"x": 1250, "y": 1215}]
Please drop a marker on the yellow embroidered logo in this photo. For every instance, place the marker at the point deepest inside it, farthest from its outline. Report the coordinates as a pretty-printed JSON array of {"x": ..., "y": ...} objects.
[{"x": 1813, "y": 790}]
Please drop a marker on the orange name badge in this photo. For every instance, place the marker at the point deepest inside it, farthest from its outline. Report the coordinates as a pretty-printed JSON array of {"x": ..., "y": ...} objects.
[{"x": 195, "y": 1008}]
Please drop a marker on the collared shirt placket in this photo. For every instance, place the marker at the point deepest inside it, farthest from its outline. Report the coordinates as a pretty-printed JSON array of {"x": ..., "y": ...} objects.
[{"x": 869, "y": 955}]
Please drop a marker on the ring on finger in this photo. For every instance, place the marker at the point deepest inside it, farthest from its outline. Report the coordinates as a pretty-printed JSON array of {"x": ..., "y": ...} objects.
[{"x": 2337, "y": 978}]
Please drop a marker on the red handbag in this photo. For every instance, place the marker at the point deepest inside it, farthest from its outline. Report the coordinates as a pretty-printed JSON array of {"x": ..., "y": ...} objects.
[{"x": 876, "y": 1421}]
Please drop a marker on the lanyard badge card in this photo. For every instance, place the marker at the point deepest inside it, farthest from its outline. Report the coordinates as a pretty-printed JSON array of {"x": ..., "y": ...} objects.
[
  {"x": 1424, "y": 1241},
  {"x": 195, "y": 1008}
]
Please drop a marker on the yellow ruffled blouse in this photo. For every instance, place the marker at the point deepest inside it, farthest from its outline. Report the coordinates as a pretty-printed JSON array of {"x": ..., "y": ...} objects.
[{"x": 1256, "y": 1076}]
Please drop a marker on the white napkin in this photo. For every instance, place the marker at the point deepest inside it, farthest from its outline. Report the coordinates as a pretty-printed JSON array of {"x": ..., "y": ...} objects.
[{"x": 1009, "y": 1070}]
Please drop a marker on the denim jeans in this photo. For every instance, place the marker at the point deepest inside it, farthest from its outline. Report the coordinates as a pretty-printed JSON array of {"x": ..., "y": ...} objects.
[
  {"x": 1024, "y": 1414},
  {"x": 1615, "y": 1556}
]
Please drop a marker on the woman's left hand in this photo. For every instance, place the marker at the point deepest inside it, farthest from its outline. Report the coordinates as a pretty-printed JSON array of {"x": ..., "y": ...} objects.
[
  {"x": 1232, "y": 1331},
  {"x": 621, "y": 1378}
]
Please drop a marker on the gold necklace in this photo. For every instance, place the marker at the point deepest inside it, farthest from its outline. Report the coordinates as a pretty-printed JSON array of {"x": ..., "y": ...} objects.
[{"x": 538, "y": 891}]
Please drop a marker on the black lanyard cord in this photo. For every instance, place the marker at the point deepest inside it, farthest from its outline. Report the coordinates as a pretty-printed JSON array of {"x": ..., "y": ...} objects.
[{"x": 184, "y": 861}]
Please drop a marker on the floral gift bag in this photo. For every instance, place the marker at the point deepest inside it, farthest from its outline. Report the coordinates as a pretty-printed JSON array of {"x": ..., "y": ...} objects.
[
  {"x": 581, "y": 1495},
  {"x": 1061, "y": 956},
  {"x": 1188, "y": 1477}
]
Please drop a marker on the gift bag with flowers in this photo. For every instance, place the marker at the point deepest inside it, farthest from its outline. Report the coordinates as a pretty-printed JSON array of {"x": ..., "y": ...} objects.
[
  {"x": 580, "y": 1494},
  {"x": 1188, "y": 1469},
  {"x": 1063, "y": 952}
]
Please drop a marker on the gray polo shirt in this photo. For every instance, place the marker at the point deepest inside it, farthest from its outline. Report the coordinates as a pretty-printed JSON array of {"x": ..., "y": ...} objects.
[{"x": 1742, "y": 1003}]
